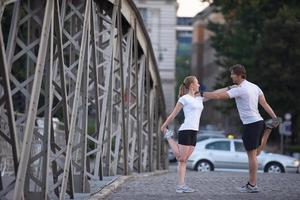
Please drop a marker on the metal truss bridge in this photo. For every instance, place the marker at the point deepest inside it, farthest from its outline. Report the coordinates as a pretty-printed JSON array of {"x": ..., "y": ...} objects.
[{"x": 80, "y": 96}]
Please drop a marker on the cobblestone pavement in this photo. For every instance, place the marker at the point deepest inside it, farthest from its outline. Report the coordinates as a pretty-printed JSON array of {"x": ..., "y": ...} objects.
[{"x": 210, "y": 186}]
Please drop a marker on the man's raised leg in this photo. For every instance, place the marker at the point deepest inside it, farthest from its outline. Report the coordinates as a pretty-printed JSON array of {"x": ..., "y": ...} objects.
[
  {"x": 264, "y": 140},
  {"x": 270, "y": 124}
]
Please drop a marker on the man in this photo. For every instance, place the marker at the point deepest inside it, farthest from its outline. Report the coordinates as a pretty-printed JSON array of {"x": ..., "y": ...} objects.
[{"x": 247, "y": 96}]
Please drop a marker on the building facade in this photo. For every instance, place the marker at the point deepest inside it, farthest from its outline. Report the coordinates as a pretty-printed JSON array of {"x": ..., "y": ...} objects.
[
  {"x": 184, "y": 33},
  {"x": 160, "y": 20}
]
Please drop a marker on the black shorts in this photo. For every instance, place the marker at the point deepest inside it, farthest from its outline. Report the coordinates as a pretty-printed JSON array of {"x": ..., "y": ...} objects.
[
  {"x": 187, "y": 137},
  {"x": 252, "y": 134}
]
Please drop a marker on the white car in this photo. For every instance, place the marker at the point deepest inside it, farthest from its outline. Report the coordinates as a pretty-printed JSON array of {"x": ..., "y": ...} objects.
[{"x": 230, "y": 154}]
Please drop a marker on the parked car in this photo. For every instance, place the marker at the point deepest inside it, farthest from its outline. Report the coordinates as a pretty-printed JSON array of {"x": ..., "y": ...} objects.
[
  {"x": 202, "y": 135},
  {"x": 230, "y": 154}
]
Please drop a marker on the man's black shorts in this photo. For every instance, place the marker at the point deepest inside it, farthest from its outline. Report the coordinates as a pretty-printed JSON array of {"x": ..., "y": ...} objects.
[
  {"x": 187, "y": 137},
  {"x": 252, "y": 135}
]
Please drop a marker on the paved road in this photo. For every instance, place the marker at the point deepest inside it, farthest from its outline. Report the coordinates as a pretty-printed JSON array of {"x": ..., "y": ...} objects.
[{"x": 210, "y": 186}]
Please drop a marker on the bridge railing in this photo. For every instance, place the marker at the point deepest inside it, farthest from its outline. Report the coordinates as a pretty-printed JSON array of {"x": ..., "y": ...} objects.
[{"x": 81, "y": 80}]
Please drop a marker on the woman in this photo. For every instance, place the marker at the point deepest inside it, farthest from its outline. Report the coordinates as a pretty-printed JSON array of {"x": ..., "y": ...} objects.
[{"x": 192, "y": 107}]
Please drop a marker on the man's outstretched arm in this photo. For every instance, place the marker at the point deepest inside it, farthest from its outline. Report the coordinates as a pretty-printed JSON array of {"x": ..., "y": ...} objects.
[{"x": 217, "y": 94}]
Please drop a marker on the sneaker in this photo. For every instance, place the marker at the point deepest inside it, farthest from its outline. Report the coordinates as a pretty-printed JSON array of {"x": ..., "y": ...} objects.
[
  {"x": 248, "y": 188},
  {"x": 168, "y": 134},
  {"x": 184, "y": 189},
  {"x": 273, "y": 123}
]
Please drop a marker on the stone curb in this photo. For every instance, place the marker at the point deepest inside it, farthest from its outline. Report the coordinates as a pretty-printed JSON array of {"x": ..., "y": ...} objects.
[{"x": 107, "y": 190}]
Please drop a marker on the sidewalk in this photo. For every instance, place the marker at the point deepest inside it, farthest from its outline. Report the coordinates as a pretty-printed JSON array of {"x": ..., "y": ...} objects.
[{"x": 210, "y": 186}]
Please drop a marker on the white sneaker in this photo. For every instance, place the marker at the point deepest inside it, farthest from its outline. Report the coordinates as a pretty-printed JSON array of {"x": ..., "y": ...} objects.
[
  {"x": 168, "y": 134},
  {"x": 248, "y": 188},
  {"x": 184, "y": 189}
]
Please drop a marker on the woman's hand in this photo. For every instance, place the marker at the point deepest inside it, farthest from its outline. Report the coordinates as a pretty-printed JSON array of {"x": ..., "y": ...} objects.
[{"x": 175, "y": 111}]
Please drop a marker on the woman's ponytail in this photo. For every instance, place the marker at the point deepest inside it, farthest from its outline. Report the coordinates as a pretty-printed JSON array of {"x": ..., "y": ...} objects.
[{"x": 182, "y": 90}]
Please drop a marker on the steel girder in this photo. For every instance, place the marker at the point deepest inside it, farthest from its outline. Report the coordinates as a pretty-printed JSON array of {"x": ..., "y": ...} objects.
[{"x": 80, "y": 96}]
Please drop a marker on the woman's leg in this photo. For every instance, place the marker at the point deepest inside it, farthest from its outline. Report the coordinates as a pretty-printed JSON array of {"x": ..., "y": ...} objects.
[
  {"x": 183, "y": 155},
  {"x": 190, "y": 151},
  {"x": 174, "y": 146}
]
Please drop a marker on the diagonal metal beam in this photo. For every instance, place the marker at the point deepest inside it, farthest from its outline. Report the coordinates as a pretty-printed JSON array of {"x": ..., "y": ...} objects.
[
  {"x": 98, "y": 169},
  {"x": 13, "y": 34},
  {"x": 106, "y": 100},
  {"x": 63, "y": 103},
  {"x": 4, "y": 71},
  {"x": 149, "y": 125},
  {"x": 124, "y": 133},
  {"x": 34, "y": 101},
  {"x": 83, "y": 48}
]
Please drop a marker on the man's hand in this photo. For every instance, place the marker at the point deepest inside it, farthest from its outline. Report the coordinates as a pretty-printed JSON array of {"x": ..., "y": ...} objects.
[
  {"x": 276, "y": 121},
  {"x": 273, "y": 123}
]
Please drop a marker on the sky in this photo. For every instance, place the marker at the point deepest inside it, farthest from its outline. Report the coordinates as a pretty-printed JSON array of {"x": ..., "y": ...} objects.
[{"x": 189, "y": 8}]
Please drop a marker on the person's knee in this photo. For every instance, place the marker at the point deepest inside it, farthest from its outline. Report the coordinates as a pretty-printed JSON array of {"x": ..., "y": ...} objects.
[
  {"x": 253, "y": 158},
  {"x": 182, "y": 159},
  {"x": 252, "y": 154},
  {"x": 258, "y": 152},
  {"x": 253, "y": 161}
]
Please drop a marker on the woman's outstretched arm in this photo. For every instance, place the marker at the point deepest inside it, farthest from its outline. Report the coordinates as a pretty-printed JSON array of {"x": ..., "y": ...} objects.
[{"x": 171, "y": 117}]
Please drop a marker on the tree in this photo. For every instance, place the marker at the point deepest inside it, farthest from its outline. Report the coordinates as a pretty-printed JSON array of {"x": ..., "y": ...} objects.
[{"x": 263, "y": 35}]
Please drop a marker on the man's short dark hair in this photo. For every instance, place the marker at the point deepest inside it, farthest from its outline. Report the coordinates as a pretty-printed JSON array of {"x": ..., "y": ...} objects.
[{"x": 239, "y": 70}]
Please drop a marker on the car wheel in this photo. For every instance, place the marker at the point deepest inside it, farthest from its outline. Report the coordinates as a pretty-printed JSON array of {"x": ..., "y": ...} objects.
[
  {"x": 274, "y": 167},
  {"x": 204, "y": 166}
]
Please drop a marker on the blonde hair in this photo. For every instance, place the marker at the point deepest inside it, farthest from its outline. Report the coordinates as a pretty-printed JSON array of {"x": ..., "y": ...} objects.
[{"x": 184, "y": 87}]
